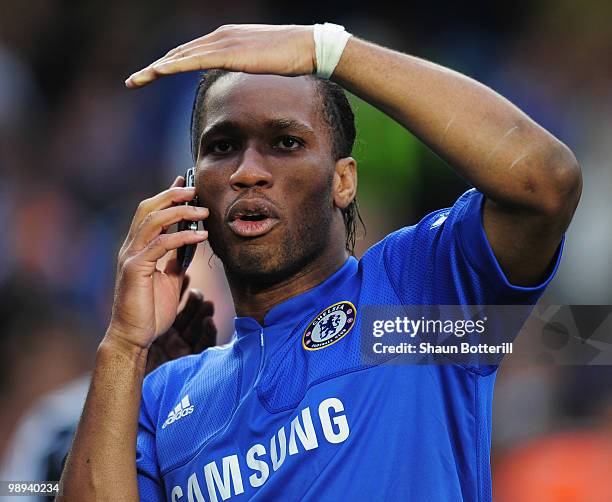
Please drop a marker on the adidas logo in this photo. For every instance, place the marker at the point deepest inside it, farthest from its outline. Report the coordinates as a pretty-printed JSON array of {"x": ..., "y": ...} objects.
[{"x": 181, "y": 410}]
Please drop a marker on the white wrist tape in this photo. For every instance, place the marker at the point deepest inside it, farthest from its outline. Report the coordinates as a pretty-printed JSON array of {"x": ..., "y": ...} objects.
[{"x": 330, "y": 41}]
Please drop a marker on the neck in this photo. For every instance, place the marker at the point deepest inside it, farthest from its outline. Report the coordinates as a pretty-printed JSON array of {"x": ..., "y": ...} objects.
[{"x": 255, "y": 299}]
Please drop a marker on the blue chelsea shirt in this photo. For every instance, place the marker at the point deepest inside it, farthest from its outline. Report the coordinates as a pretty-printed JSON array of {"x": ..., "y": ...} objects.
[{"x": 265, "y": 418}]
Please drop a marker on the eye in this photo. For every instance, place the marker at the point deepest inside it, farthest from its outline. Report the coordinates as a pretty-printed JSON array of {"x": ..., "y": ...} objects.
[
  {"x": 220, "y": 147},
  {"x": 288, "y": 143}
]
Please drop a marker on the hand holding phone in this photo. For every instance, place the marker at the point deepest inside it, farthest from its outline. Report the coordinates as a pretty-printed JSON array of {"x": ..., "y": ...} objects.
[{"x": 185, "y": 253}]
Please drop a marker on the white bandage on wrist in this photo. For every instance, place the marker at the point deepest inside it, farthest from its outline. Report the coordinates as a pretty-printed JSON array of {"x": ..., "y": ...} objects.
[{"x": 330, "y": 41}]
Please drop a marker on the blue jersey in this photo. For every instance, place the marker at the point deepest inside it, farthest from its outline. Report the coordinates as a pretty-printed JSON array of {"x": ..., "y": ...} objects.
[{"x": 290, "y": 411}]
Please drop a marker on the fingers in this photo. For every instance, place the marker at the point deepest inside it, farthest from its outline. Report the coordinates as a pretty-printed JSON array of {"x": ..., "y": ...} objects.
[
  {"x": 148, "y": 74},
  {"x": 164, "y": 243},
  {"x": 251, "y": 48},
  {"x": 188, "y": 323},
  {"x": 184, "y": 317},
  {"x": 210, "y": 38},
  {"x": 167, "y": 198},
  {"x": 208, "y": 336},
  {"x": 178, "y": 182},
  {"x": 175, "y": 194},
  {"x": 194, "y": 48},
  {"x": 199, "y": 58},
  {"x": 193, "y": 332},
  {"x": 157, "y": 222}
]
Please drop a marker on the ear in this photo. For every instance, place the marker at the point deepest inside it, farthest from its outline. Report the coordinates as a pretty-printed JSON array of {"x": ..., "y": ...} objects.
[{"x": 345, "y": 182}]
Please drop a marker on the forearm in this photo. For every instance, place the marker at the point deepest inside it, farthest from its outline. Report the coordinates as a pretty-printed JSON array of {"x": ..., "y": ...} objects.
[
  {"x": 102, "y": 462},
  {"x": 485, "y": 138}
]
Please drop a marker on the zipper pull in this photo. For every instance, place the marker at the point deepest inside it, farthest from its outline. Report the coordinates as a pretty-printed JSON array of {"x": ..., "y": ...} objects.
[{"x": 261, "y": 338}]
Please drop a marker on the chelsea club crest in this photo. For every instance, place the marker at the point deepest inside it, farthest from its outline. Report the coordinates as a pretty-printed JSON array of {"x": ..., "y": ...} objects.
[{"x": 329, "y": 326}]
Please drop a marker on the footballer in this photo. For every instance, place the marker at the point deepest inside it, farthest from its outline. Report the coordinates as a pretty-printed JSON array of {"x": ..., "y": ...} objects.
[{"x": 289, "y": 410}]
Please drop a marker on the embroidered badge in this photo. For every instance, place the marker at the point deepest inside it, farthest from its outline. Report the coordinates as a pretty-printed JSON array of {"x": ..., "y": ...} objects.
[{"x": 329, "y": 326}]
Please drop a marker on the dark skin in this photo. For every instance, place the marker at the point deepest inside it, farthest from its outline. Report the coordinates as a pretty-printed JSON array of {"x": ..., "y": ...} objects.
[
  {"x": 531, "y": 181},
  {"x": 244, "y": 154},
  {"x": 192, "y": 331}
]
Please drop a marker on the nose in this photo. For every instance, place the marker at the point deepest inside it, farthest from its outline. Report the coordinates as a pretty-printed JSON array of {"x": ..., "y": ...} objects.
[{"x": 251, "y": 172}]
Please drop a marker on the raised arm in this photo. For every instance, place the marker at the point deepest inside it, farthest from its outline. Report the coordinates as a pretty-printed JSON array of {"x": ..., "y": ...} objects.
[
  {"x": 102, "y": 462},
  {"x": 531, "y": 180}
]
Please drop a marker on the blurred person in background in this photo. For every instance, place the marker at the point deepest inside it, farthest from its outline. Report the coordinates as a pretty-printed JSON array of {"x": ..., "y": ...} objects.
[
  {"x": 45, "y": 358},
  {"x": 257, "y": 138}
]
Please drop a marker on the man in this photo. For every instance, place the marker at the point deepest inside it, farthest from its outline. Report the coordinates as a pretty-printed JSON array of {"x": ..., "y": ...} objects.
[{"x": 286, "y": 411}]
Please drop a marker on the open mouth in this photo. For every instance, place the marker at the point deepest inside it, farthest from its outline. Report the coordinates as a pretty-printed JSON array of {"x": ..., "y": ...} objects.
[{"x": 252, "y": 217}]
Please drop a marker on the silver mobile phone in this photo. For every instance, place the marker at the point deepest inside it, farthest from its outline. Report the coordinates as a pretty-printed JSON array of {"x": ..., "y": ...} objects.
[{"x": 185, "y": 253}]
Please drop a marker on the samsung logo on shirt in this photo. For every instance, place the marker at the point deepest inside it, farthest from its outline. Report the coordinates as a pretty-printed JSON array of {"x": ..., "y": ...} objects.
[{"x": 225, "y": 479}]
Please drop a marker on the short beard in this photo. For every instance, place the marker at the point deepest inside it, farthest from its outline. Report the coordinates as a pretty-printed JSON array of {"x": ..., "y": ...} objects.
[{"x": 263, "y": 266}]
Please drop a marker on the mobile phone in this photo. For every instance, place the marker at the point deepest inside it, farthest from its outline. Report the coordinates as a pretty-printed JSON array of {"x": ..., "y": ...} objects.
[{"x": 185, "y": 254}]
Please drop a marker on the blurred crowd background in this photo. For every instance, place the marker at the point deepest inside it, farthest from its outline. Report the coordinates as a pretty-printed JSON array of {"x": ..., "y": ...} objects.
[{"x": 78, "y": 151}]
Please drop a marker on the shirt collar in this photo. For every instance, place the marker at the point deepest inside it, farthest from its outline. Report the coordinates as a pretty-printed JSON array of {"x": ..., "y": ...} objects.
[{"x": 294, "y": 308}]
